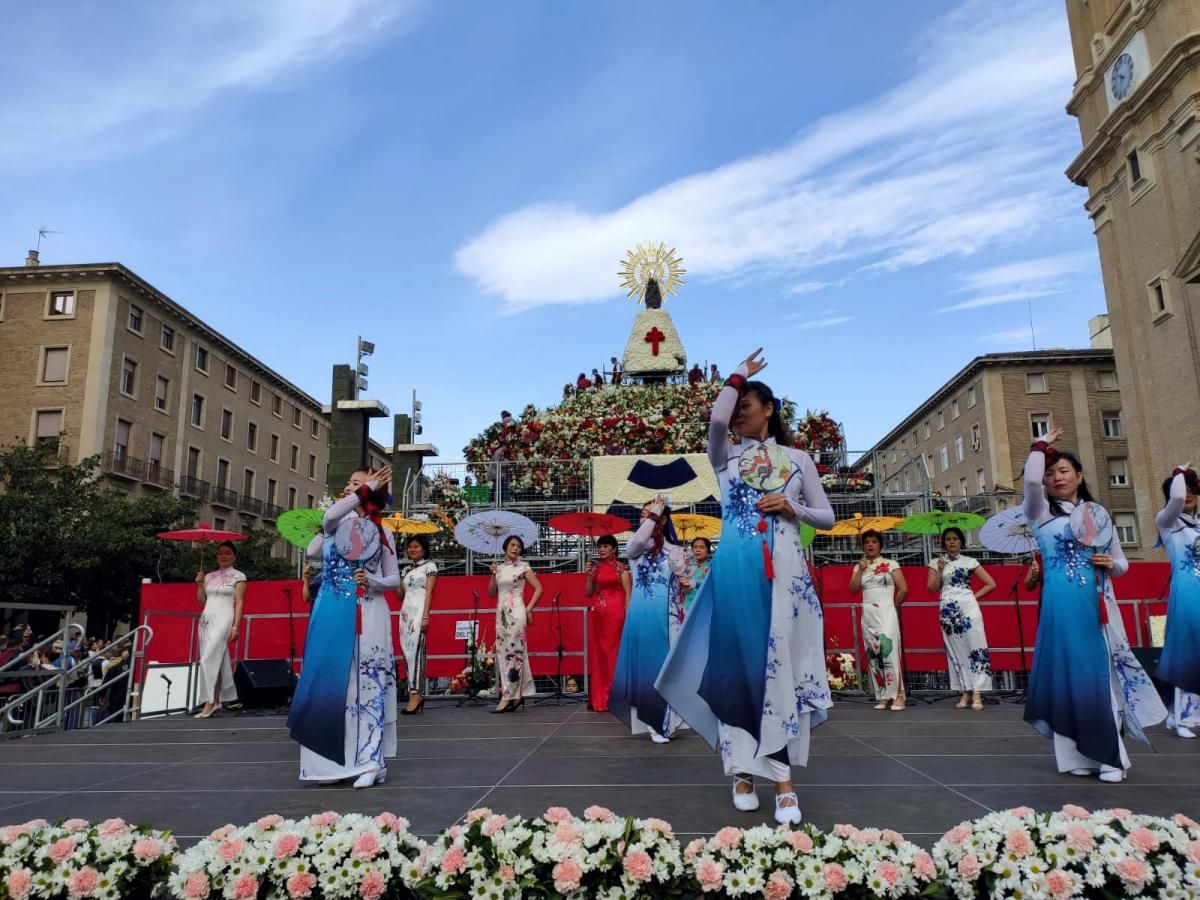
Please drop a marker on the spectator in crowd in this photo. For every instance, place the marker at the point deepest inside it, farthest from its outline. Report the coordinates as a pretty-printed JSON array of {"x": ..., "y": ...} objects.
[
  {"x": 615, "y": 372},
  {"x": 696, "y": 374},
  {"x": 597, "y": 378},
  {"x": 506, "y": 418},
  {"x": 714, "y": 374},
  {"x": 582, "y": 382},
  {"x": 13, "y": 648}
]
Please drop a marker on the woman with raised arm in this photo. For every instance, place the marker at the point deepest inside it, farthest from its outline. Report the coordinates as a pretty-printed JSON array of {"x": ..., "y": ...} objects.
[
  {"x": 514, "y": 678},
  {"x": 1179, "y": 664},
  {"x": 222, "y": 594},
  {"x": 344, "y": 710},
  {"x": 748, "y": 672},
  {"x": 884, "y": 589},
  {"x": 1085, "y": 682},
  {"x": 652, "y": 622},
  {"x": 967, "y": 655},
  {"x": 609, "y": 582},
  {"x": 417, "y": 584}
]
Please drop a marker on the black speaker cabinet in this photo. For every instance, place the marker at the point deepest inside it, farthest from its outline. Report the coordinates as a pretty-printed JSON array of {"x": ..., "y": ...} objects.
[
  {"x": 1148, "y": 657},
  {"x": 263, "y": 683}
]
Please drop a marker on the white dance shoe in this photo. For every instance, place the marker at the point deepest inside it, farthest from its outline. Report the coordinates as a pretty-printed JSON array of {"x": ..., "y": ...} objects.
[
  {"x": 658, "y": 738},
  {"x": 367, "y": 779},
  {"x": 1182, "y": 730},
  {"x": 747, "y": 802},
  {"x": 1083, "y": 773},
  {"x": 790, "y": 814},
  {"x": 1112, "y": 776}
]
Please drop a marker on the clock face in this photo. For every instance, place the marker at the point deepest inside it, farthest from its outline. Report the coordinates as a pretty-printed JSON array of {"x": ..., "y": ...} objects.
[{"x": 1122, "y": 76}]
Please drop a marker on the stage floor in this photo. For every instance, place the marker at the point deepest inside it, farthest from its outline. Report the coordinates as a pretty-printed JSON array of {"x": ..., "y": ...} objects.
[{"x": 920, "y": 771}]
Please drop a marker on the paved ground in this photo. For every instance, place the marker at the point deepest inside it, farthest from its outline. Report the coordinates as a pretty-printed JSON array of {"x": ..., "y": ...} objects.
[{"x": 920, "y": 771}]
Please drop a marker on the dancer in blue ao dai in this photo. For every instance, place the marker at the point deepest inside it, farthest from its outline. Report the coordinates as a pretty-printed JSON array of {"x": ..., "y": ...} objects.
[
  {"x": 1179, "y": 664},
  {"x": 748, "y": 670},
  {"x": 1085, "y": 683},
  {"x": 344, "y": 710},
  {"x": 660, "y": 570}
]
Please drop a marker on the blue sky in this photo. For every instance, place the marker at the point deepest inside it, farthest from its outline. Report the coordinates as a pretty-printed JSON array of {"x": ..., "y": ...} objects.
[{"x": 872, "y": 191}]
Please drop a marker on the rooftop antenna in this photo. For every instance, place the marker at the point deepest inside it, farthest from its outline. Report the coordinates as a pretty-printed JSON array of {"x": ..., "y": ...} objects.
[
  {"x": 42, "y": 232},
  {"x": 1032, "y": 333}
]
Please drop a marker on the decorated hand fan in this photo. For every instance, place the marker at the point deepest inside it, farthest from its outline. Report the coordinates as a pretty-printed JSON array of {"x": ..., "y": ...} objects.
[
  {"x": 767, "y": 468},
  {"x": 357, "y": 541},
  {"x": 1092, "y": 527}
]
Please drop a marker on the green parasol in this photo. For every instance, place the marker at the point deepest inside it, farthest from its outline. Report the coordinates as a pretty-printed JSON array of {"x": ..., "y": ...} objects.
[
  {"x": 807, "y": 534},
  {"x": 938, "y": 521},
  {"x": 299, "y": 526}
]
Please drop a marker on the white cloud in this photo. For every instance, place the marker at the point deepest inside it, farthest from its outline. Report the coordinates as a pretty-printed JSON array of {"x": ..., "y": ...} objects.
[
  {"x": 998, "y": 298},
  {"x": 824, "y": 323},
  {"x": 1014, "y": 282},
  {"x": 809, "y": 287},
  {"x": 101, "y": 99},
  {"x": 952, "y": 161},
  {"x": 1016, "y": 338}
]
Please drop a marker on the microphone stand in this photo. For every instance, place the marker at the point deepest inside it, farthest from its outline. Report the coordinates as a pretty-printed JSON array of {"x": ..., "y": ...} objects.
[
  {"x": 557, "y": 698},
  {"x": 167, "y": 705},
  {"x": 472, "y": 698},
  {"x": 1018, "y": 696}
]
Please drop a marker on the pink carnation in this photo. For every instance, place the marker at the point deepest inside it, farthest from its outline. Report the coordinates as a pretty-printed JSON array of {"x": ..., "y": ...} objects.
[
  {"x": 599, "y": 814},
  {"x": 84, "y": 882},
  {"x": 835, "y": 877},
  {"x": 373, "y": 885},
  {"x": 727, "y": 838},
  {"x": 663, "y": 828},
  {"x": 711, "y": 873},
  {"x": 1018, "y": 842},
  {"x": 1021, "y": 812},
  {"x": 147, "y": 850},
  {"x": 245, "y": 888},
  {"x": 494, "y": 825},
  {"x": 12, "y": 832},
  {"x": 73, "y": 825},
  {"x": 1184, "y": 822},
  {"x": 196, "y": 887},
  {"x": 1058, "y": 884},
  {"x": 507, "y": 874},
  {"x": 323, "y": 820},
  {"x": 61, "y": 849},
  {"x": 1075, "y": 812},
  {"x": 453, "y": 861},
  {"x": 778, "y": 886},
  {"x": 230, "y": 849},
  {"x": 923, "y": 863},
  {"x": 638, "y": 866},
  {"x": 1144, "y": 839},
  {"x": 889, "y": 872},
  {"x": 221, "y": 833},
  {"x": 477, "y": 815},
  {"x": 266, "y": 823},
  {"x": 567, "y": 875},
  {"x": 390, "y": 822},
  {"x": 301, "y": 884},
  {"x": 365, "y": 846},
  {"x": 111, "y": 827},
  {"x": 894, "y": 838},
  {"x": 845, "y": 831},
  {"x": 568, "y": 833},
  {"x": 556, "y": 814},
  {"x": 42, "y": 823},
  {"x": 1193, "y": 851},
  {"x": 19, "y": 882},
  {"x": 800, "y": 841},
  {"x": 957, "y": 835},
  {"x": 1080, "y": 838},
  {"x": 692, "y": 850},
  {"x": 1133, "y": 869},
  {"x": 1120, "y": 813},
  {"x": 286, "y": 845},
  {"x": 968, "y": 867}
]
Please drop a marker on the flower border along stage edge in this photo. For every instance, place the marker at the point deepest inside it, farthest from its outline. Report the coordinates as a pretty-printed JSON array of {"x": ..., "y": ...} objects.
[{"x": 1013, "y": 854}]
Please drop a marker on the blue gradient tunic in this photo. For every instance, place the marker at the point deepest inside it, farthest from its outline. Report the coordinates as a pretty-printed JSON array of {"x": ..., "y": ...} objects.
[{"x": 1179, "y": 664}]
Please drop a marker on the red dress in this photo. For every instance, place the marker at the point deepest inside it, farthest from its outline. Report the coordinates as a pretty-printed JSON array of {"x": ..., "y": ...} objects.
[{"x": 607, "y": 618}]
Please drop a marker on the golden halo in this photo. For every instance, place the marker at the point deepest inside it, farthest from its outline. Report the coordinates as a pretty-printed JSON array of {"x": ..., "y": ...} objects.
[{"x": 651, "y": 261}]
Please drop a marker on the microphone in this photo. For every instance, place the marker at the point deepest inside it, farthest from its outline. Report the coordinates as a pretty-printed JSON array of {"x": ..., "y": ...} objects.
[{"x": 166, "y": 679}]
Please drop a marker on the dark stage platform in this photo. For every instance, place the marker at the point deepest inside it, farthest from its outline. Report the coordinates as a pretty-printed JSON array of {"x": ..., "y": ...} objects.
[{"x": 920, "y": 771}]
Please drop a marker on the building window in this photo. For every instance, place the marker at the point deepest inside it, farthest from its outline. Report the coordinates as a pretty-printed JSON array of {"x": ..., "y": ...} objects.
[
  {"x": 954, "y": 409},
  {"x": 219, "y": 524},
  {"x": 941, "y": 419},
  {"x": 128, "y": 376},
  {"x": 927, "y": 430},
  {"x": 962, "y": 486},
  {"x": 193, "y": 462},
  {"x": 167, "y": 341},
  {"x": 1111, "y": 422},
  {"x": 1126, "y": 525},
  {"x": 277, "y": 405},
  {"x": 62, "y": 303},
  {"x": 945, "y": 457},
  {"x": 297, "y": 416},
  {"x": 295, "y": 458},
  {"x": 251, "y": 437},
  {"x": 202, "y": 360},
  {"x": 231, "y": 377},
  {"x": 959, "y": 453},
  {"x": 255, "y": 392},
  {"x": 929, "y": 466},
  {"x": 1118, "y": 471},
  {"x": 914, "y": 437},
  {"x": 156, "y": 448},
  {"x": 1106, "y": 380},
  {"x": 1039, "y": 425},
  {"x": 274, "y": 448},
  {"x": 291, "y": 498},
  {"x": 135, "y": 319},
  {"x": 1135, "y": 168},
  {"x": 121, "y": 439},
  {"x": 47, "y": 428},
  {"x": 161, "y": 387},
  {"x": 971, "y": 400},
  {"x": 223, "y": 473},
  {"x": 981, "y": 480},
  {"x": 312, "y": 465},
  {"x": 272, "y": 488},
  {"x": 248, "y": 483},
  {"x": 54, "y": 365},
  {"x": 197, "y": 410},
  {"x": 315, "y": 430},
  {"x": 226, "y": 424},
  {"x": 1160, "y": 299},
  {"x": 976, "y": 439},
  {"x": 1035, "y": 383},
  {"x": 312, "y": 501}
]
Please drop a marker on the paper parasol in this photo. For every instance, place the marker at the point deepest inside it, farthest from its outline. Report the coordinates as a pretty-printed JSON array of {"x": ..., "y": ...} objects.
[
  {"x": 690, "y": 526},
  {"x": 485, "y": 532},
  {"x": 808, "y": 534},
  {"x": 299, "y": 526},
  {"x": 858, "y": 523},
  {"x": 938, "y": 521},
  {"x": 203, "y": 533},
  {"x": 402, "y": 525},
  {"x": 1008, "y": 531},
  {"x": 589, "y": 524}
]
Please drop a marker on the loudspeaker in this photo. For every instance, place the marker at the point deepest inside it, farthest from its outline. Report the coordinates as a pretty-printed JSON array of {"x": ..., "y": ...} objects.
[
  {"x": 1148, "y": 657},
  {"x": 263, "y": 683}
]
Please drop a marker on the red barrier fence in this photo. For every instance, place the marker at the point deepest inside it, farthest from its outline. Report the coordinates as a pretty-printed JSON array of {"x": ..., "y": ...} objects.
[{"x": 171, "y": 610}]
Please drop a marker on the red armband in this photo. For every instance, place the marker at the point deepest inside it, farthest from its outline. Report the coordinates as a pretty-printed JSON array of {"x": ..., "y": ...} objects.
[
  {"x": 737, "y": 382},
  {"x": 1041, "y": 446}
]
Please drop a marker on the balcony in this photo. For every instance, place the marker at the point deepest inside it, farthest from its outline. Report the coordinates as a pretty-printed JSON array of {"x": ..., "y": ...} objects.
[
  {"x": 222, "y": 496},
  {"x": 194, "y": 487},
  {"x": 159, "y": 476},
  {"x": 121, "y": 465},
  {"x": 250, "y": 505},
  {"x": 271, "y": 511}
]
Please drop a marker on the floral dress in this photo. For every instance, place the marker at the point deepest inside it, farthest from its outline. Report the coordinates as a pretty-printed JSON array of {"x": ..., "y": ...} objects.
[
  {"x": 415, "y": 577},
  {"x": 967, "y": 654},
  {"x": 215, "y": 624},
  {"x": 514, "y": 678},
  {"x": 1179, "y": 664},
  {"x": 881, "y": 627}
]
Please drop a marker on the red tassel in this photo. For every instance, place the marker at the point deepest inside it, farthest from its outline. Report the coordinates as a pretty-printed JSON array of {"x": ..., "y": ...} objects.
[
  {"x": 1103, "y": 608},
  {"x": 358, "y": 617},
  {"x": 768, "y": 566}
]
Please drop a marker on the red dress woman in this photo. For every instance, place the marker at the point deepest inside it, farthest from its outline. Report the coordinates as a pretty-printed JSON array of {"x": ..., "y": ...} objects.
[{"x": 610, "y": 577}]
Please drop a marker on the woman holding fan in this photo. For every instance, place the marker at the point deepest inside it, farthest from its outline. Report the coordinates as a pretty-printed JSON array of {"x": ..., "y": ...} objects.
[
  {"x": 1085, "y": 683},
  {"x": 609, "y": 582},
  {"x": 1179, "y": 664},
  {"x": 748, "y": 672}
]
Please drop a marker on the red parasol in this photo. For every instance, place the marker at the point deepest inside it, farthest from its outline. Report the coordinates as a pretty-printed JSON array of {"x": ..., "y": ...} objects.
[
  {"x": 589, "y": 524},
  {"x": 203, "y": 533}
]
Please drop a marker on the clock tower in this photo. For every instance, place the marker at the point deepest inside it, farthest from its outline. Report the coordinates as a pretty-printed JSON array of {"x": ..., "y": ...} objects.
[{"x": 1137, "y": 100}]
